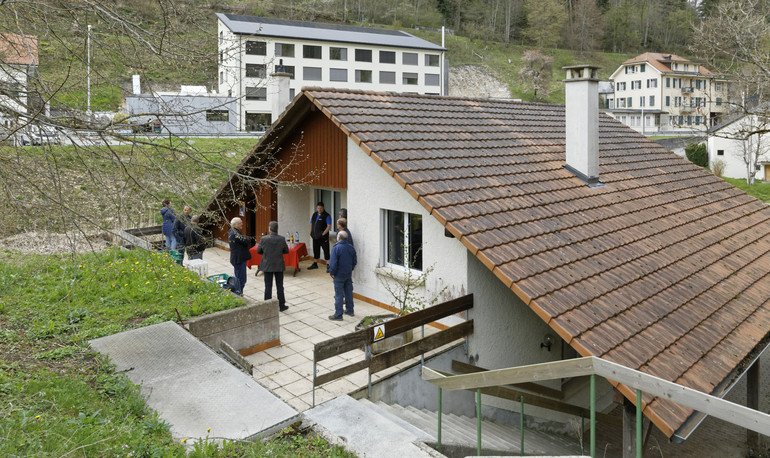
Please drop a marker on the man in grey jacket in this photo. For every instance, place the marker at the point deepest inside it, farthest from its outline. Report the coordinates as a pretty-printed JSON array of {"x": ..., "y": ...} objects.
[{"x": 272, "y": 247}]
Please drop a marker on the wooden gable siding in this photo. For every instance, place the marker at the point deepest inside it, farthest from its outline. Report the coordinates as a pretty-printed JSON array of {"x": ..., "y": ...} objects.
[{"x": 313, "y": 153}]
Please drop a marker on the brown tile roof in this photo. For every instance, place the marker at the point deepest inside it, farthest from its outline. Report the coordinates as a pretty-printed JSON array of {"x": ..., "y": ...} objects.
[
  {"x": 18, "y": 49},
  {"x": 656, "y": 59},
  {"x": 665, "y": 269}
]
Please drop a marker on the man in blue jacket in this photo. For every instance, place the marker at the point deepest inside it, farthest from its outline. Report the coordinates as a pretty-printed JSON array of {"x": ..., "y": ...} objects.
[
  {"x": 341, "y": 264},
  {"x": 239, "y": 251}
]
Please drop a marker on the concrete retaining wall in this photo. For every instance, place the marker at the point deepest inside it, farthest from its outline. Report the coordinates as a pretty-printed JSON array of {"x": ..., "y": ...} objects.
[{"x": 248, "y": 329}]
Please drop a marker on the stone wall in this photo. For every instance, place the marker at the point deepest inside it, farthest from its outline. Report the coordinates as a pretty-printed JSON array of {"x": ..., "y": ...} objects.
[{"x": 248, "y": 329}]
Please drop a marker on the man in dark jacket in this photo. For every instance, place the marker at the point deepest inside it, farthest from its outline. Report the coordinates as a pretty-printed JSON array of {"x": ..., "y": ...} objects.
[
  {"x": 194, "y": 241},
  {"x": 239, "y": 251},
  {"x": 272, "y": 247},
  {"x": 180, "y": 225},
  {"x": 320, "y": 225},
  {"x": 341, "y": 264}
]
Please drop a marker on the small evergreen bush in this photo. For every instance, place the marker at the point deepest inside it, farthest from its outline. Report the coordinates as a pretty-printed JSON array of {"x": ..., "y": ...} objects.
[{"x": 697, "y": 154}]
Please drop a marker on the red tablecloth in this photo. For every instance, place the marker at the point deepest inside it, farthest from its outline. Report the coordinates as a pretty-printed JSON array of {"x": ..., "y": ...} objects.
[{"x": 296, "y": 252}]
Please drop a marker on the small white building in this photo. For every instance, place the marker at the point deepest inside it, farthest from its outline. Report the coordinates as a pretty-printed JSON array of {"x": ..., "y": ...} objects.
[
  {"x": 251, "y": 49},
  {"x": 666, "y": 93},
  {"x": 18, "y": 64},
  {"x": 741, "y": 149}
]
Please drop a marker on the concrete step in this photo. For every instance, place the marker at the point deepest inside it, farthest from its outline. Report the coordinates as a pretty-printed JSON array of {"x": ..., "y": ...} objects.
[
  {"x": 418, "y": 432},
  {"x": 364, "y": 431}
]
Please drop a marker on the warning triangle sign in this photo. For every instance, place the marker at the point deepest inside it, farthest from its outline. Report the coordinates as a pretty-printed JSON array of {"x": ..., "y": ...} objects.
[{"x": 379, "y": 334}]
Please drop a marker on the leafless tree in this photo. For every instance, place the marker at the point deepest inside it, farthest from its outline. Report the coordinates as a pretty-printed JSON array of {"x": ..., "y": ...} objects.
[{"x": 536, "y": 73}]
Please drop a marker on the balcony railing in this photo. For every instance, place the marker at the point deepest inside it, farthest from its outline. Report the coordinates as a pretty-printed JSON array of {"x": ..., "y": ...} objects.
[{"x": 688, "y": 89}]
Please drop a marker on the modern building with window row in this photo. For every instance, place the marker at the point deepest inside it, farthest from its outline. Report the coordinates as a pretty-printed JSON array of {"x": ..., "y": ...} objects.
[
  {"x": 316, "y": 54},
  {"x": 656, "y": 92}
]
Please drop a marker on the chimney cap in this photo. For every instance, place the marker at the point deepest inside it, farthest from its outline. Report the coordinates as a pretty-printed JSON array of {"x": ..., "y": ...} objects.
[{"x": 582, "y": 72}]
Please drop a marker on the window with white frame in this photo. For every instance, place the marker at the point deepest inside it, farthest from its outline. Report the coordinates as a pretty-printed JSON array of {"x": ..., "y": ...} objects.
[
  {"x": 336, "y": 53},
  {"x": 402, "y": 239},
  {"x": 284, "y": 50},
  {"x": 332, "y": 203}
]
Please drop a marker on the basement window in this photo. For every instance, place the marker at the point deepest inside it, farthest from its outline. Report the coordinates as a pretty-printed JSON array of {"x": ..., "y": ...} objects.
[
  {"x": 402, "y": 239},
  {"x": 217, "y": 115}
]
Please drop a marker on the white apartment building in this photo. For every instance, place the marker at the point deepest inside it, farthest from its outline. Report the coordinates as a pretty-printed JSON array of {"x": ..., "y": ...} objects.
[
  {"x": 660, "y": 93},
  {"x": 252, "y": 48}
]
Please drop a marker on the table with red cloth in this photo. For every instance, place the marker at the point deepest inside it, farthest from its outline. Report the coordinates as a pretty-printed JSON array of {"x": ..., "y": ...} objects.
[{"x": 296, "y": 252}]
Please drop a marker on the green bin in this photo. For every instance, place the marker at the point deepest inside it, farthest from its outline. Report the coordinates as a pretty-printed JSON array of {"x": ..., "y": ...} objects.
[
  {"x": 219, "y": 279},
  {"x": 176, "y": 256}
]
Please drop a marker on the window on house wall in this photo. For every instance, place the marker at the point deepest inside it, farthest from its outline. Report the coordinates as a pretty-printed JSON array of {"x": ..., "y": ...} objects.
[
  {"x": 652, "y": 100},
  {"x": 221, "y": 37},
  {"x": 668, "y": 100},
  {"x": 432, "y": 60},
  {"x": 402, "y": 244},
  {"x": 256, "y": 93},
  {"x": 387, "y": 77},
  {"x": 338, "y": 53},
  {"x": 220, "y": 56},
  {"x": 387, "y": 57},
  {"x": 311, "y": 52},
  {"x": 288, "y": 69},
  {"x": 256, "y": 48},
  {"x": 363, "y": 55},
  {"x": 719, "y": 101},
  {"x": 292, "y": 93},
  {"x": 217, "y": 115},
  {"x": 338, "y": 74},
  {"x": 284, "y": 50},
  {"x": 668, "y": 82},
  {"x": 642, "y": 67},
  {"x": 718, "y": 86},
  {"x": 641, "y": 101},
  {"x": 720, "y": 152},
  {"x": 255, "y": 70},
  {"x": 628, "y": 102},
  {"x": 432, "y": 79},
  {"x": 409, "y": 58},
  {"x": 363, "y": 76},
  {"x": 311, "y": 73},
  {"x": 409, "y": 78}
]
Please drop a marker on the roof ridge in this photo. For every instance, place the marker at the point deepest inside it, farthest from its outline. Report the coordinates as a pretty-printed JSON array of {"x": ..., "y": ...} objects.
[{"x": 425, "y": 96}]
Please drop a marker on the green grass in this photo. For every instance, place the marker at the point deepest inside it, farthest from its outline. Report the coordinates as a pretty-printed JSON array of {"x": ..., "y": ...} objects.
[
  {"x": 58, "y": 396},
  {"x": 760, "y": 190}
]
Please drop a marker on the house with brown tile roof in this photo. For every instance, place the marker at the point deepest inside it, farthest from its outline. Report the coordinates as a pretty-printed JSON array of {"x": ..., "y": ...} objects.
[
  {"x": 665, "y": 93},
  {"x": 639, "y": 257}
]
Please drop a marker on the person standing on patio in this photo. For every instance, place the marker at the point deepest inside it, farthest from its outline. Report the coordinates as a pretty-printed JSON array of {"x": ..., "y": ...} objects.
[
  {"x": 181, "y": 223},
  {"x": 342, "y": 226},
  {"x": 320, "y": 225},
  {"x": 341, "y": 264},
  {"x": 239, "y": 251},
  {"x": 169, "y": 218},
  {"x": 272, "y": 247},
  {"x": 194, "y": 241}
]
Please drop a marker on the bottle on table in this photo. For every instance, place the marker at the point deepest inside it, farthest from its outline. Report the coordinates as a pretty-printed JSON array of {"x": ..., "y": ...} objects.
[{"x": 296, "y": 237}]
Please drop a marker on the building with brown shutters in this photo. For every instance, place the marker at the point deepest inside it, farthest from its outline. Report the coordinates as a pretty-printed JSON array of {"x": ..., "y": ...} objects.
[{"x": 654, "y": 264}]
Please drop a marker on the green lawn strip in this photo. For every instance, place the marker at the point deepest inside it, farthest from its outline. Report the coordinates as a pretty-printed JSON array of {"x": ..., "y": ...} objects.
[
  {"x": 58, "y": 396},
  {"x": 760, "y": 190}
]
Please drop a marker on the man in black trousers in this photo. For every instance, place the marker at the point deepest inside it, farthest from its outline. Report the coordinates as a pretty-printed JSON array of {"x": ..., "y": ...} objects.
[
  {"x": 272, "y": 247},
  {"x": 239, "y": 251}
]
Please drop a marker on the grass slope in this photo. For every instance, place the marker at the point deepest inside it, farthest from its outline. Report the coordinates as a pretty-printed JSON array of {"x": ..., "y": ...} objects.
[{"x": 60, "y": 398}]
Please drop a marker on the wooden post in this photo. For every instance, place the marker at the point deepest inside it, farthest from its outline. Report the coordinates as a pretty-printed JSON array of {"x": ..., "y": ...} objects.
[
  {"x": 629, "y": 429},
  {"x": 752, "y": 402}
]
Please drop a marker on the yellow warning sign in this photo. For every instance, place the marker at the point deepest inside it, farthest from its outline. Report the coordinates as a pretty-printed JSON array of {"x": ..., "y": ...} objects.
[{"x": 379, "y": 332}]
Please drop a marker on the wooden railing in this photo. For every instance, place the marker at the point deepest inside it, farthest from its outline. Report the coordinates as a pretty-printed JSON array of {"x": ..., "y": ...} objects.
[
  {"x": 364, "y": 338},
  {"x": 591, "y": 366}
]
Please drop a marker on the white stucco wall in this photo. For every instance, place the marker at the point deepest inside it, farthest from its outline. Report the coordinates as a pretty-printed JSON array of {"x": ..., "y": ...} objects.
[
  {"x": 296, "y": 204},
  {"x": 370, "y": 190}
]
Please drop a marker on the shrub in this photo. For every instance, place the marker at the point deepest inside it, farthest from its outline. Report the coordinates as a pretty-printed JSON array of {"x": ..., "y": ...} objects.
[
  {"x": 718, "y": 167},
  {"x": 697, "y": 154}
]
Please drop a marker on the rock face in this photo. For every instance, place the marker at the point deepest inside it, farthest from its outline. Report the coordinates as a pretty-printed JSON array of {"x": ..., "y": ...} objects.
[{"x": 475, "y": 81}]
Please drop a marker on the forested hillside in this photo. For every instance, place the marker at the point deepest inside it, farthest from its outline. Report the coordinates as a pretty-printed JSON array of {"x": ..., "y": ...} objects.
[{"x": 493, "y": 33}]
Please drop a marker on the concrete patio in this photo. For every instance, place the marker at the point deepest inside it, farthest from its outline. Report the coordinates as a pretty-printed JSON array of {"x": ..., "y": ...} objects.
[{"x": 287, "y": 370}]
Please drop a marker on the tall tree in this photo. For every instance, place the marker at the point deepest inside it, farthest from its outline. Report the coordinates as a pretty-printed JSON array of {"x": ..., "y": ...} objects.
[
  {"x": 535, "y": 74},
  {"x": 546, "y": 19},
  {"x": 587, "y": 28}
]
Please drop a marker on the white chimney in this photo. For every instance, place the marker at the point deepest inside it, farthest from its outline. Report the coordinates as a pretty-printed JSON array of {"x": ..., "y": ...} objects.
[
  {"x": 582, "y": 124},
  {"x": 279, "y": 91},
  {"x": 137, "y": 86}
]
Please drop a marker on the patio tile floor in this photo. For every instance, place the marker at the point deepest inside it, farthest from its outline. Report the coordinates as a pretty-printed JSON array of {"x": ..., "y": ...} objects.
[{"x": 287, "y": 369}]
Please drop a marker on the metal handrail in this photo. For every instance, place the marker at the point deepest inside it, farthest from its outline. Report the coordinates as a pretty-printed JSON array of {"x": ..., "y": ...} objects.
[{"x": 592, "y": 366}]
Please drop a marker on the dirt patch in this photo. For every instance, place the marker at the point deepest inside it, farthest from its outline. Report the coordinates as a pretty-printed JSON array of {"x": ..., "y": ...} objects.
[
  {"x": 35, "y": 242},
  {"x": 476, "y": 81}
]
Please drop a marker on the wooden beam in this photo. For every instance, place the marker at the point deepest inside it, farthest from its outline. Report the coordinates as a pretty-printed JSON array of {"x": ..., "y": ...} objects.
[
  {"x": 341, "y": 372},
  {"x": 629, "y": 429},
  {"x": 338, "y": 345},
  {"x": 465, "y": 368},
  {"x": 427, "y": 315},
  {"x": 418, "y": 347}
]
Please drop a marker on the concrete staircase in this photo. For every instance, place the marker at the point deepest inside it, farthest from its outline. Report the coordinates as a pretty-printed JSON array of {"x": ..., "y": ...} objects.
[{"x": 458, "y": 433}]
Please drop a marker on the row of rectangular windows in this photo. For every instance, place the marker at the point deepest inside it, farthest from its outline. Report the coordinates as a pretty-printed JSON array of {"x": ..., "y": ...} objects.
[
  {"x": 259, "y": 48},
  {"x": 627, "y": 102},
  {"x": 341, "y": 74}
]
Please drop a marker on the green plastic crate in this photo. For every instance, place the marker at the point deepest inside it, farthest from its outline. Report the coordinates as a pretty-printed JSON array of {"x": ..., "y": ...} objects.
[
  {"x": 176, "y": 256},
  {"x": 219, "y": 279}
]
